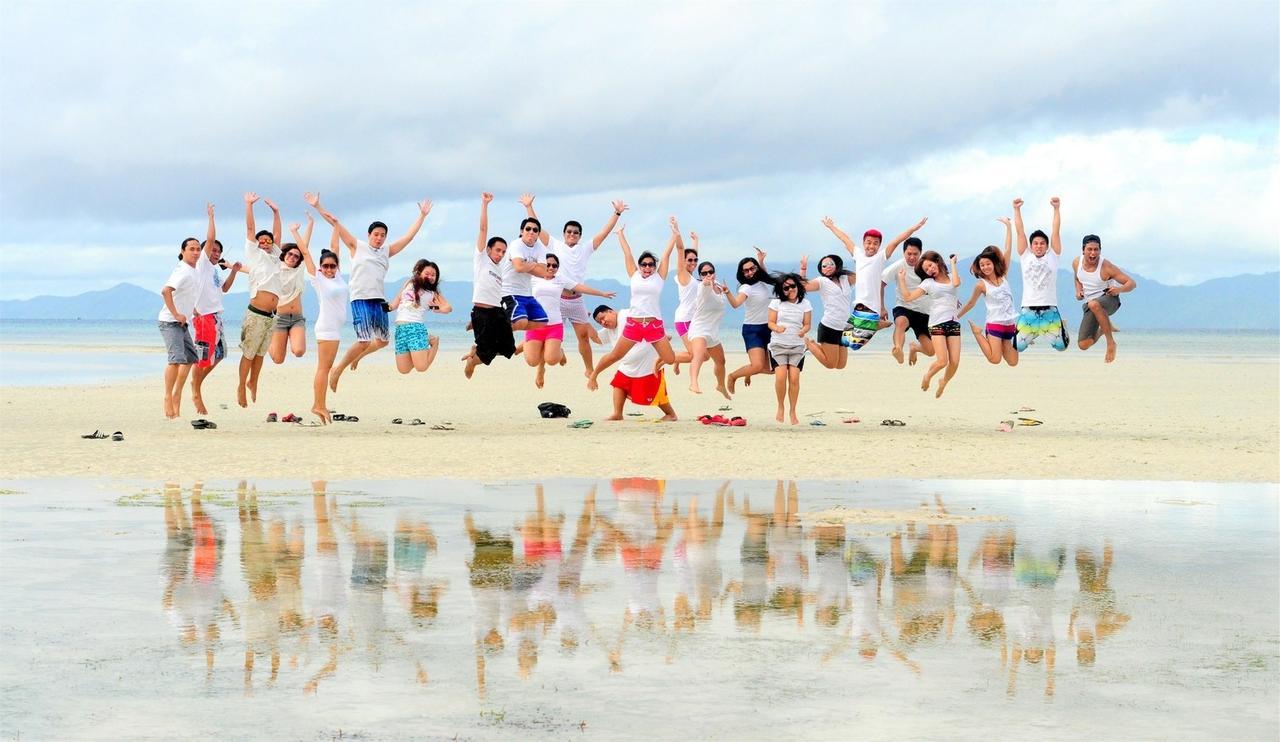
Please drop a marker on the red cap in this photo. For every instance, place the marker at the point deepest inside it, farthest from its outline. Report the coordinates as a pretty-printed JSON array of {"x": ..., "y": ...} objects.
[{"x": 873, "y": 233}]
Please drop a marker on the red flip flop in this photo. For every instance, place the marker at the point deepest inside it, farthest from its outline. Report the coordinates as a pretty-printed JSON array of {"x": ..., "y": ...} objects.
[{"x": 738, "y": 422}]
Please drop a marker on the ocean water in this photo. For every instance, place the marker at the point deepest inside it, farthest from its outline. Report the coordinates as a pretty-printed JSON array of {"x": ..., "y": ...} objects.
[
  {"x": 639, "y": 609},
  {"x": 36, "y": 352}
]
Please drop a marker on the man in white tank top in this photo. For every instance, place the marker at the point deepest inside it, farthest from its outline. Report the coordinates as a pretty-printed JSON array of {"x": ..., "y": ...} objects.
[
  {"x": 1039, "y": 260},
  {"x": 1099, "y": 284}
]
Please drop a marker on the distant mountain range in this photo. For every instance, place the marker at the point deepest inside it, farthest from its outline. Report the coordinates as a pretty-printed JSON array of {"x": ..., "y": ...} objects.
[{"x": 1245, "y": 302}]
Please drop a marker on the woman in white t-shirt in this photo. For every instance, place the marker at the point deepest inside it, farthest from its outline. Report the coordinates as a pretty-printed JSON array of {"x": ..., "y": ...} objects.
[
  {"x": 702, "y": 334},
  {"x": 644, "y": 320},
  {"x": 542, "y": 344},
  {"x": 940, "y": 284},
  {"x": 415, "y": 347},
  {"x": 755, "y": 290},
  {"x": 835, "y": 285},
  {"x": 331, "y": 294},
  {"x": 290, "y": 333},
  {"x": 790, "y": 316},
  {"x": 991, "y": 268}
]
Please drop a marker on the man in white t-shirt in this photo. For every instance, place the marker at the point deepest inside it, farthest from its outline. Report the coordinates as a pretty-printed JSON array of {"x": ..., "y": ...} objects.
[
  {"x": 1039, "y": 260},
  {"x": 207, "y": 326},
  {"x": 574, "y": 257},
  {"x": 489, "y": 322},
  {"x": 526, "y": 258},
  {"x": 366, "y": 282},
  {"x": 909, "y": 315},
  {"x": 180, "y": 293},
  {"x": 868, "y": 297},
  {"x": 638, "y": 378}
]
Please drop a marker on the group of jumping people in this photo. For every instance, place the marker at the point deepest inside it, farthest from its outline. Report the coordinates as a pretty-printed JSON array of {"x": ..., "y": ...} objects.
[{"x": 536, "y": 284}]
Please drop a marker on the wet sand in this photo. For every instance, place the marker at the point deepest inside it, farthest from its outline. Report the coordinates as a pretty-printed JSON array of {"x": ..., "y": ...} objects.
[{"x": 1142, "y": 418}]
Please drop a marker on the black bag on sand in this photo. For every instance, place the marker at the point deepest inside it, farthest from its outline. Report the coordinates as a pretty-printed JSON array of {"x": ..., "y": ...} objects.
[{"x": 553, "y": 409}]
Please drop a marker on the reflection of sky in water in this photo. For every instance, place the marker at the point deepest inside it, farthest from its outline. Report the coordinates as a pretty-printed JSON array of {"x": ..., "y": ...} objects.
[{"x": 639, "y": 609}]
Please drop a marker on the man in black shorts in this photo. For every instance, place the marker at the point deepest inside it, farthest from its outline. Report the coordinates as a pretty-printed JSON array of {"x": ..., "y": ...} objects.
[{"x": 913, "y": 315}]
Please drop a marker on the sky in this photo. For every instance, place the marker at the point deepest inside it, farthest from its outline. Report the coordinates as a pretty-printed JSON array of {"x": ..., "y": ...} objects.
[{"x": 1156, "y": 123}]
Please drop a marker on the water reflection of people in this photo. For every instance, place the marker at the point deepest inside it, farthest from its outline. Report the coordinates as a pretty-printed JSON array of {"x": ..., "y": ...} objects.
[
  {"x": 788, "y": 564},
  {"x": 924, "y": 585},
  {"x": 420, "y": 594},
  {"x": 368, "y": 589},
  {"x": 535, "y": 582},
  {"x": 831, "y": 599},
  {"x": 1094, "y": 616},
  {"x": 258, "y": 564},
  {"x": 571, "y": 614},
  {"x": 330, "y": 599},
  {"x": 1030, "y": 617},
  {"x": 989, "y": 593},
  {"x": 751, "y": 593},
  {"x": 192, "y": 567},
  {"x": 640, "y": 536},
  {"x": 490, "y": 568},
  {"x": 698, "y": 574}
]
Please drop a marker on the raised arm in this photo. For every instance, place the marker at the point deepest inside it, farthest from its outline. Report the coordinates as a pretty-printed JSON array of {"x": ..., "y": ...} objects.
[
  {"x": 1008, "y": 240},
  {"x": 526, "y": 200},
  {"x": 628, "y": 261},
  {"x": 1055, "y": 239},
  {"x": 424, "y": 208},
  {"x": 955, "y": 274},
  {"x": 893, "y": 245},
  {"x": 485, "y": 198},
  {"x": 683, "y": 274},
  {"x": 618, "y": 207},
  {"x": 211, "y": 234},
  {"x": 348, "y": 239},
  {"x": 1112, "y": 273},
  {"x": 830, "y": 224},
  {"x": 978, "y": 290},
  {"x": 664, "y": 265},
  {"x": 810, "y": 284},
  {"x": 903, "y": 293},
  {"x": 250, "y": 226},
  {"x": 276, "y": 231},
  {"x": 304, "y": 242},
  {"x": 1017, "y": 222}
]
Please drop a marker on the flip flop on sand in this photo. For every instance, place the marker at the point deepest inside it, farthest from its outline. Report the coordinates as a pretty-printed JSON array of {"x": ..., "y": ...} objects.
[
  {"x": 580, "y": 424},
  {"x": 893, "y": 423},
  {"x": 95, "y": 435},
  {"x": 272, "y": 417},
  {"x": 817, "y": 423},
  {"x": 337, "y": 416},
  {"x": 203, "y": 424},
  {"x": 398, "y": 421},
  {"x": 290, "y": 418},
  {"x": 635, "y": 414},
  {"x": 1029, "y": 422},
  {"x": 726, "y": 408},
  {"x": 1005, "y": 426},
  {"x": 443, "y": 426},
  {"x": 415, "y": 421},
  {"x": 740, "y": 422},
  {"x": 117, "y": 436},
  {"x": 851, "y": 420}
]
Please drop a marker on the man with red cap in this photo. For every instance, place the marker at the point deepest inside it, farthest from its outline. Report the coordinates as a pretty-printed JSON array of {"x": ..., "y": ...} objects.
[{"x": 868, "y": 298}]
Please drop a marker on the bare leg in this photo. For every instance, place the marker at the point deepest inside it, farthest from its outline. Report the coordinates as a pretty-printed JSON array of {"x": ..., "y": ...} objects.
[
  {"x": 276, "y": 350},
  {"x": 780, "y": 390},
  {"x": 246, "y": 365},
  {"x": 170, "y": 380},
  {"x": 698, "y": 355},
  {"x": 298, "y": 340},
  {"x": 374, "y": 345},
  {"x": 433, "y": 347},
  {"x": 793, "y": 391},
  {"x": 1104, "y": 324},
  {"x": 619, "y": 399},
  {"x": 327, "y": 351},
  {"x": 253, "y": 377},
  {"x": 759, "y": 364},
  {"x": 717, "y": 359},
  {"x": 1010, "y": 352},
  {"x": 198, "y": 375},
  {"x": 619, "y": 350},
  {"x": 584, "y": 345},
  {"x": 952, "y": 344},
  {"x": 990, "y": 346},
  {"x": 421, "y": 359},
  {"x": 939, "y": 363},
  {"x": 183, "y": 370},
  {"x": 353, "y": 355},
  {"x": 819, "y": 353},
  {"x": 665, "y": 352},
  {"x": 533, "y": 352},
  {"x": 669, "y": 412},
  {"x": 900, "y": 325}
]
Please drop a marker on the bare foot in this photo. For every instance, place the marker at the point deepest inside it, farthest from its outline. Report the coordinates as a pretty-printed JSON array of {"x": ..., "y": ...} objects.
[
  {"x": 694, "y": 387},
  {"x": 541, "y": 377},
  {"x": 1111, "y": 352},
  {"x": 794, "y": 420},
  {"x": 470, "y": 368},
  {"x": 942, "y": 385},
  {"x": 897, "y": 354},
  {"x": 198, "y": 401},
  {"x": 669, "y": 418},
  {"x": 723, "y": 392},
  {"x": 911, "y": 359},
  {"x": 613, "y": 418},
  {"x": 355, "y": 362},
  {"x": 321, "y": 413},
  {"x": 241, "y": 399},
  {"x": 778, "y": 416},
  {"x": 562, "y": 361},
  {"x": 924, "y": 385},
  {"x": 675, "y": 369},
  {"x": 253, "y": 392},
  {"x": 731, "y": 381},
  {"x": 747, "y": 379},
  {"x": 334, "y": 375}
]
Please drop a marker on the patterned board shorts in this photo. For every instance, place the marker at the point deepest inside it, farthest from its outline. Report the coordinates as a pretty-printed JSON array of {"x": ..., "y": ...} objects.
[
  {"x": 1034, "y": 322},
  {"x": 862, "y": 327}
]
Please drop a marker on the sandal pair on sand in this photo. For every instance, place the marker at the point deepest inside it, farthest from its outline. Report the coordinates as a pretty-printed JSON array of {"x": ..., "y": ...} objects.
[
  {"x": 1006, "y": 426},
  {"x": 98, "y": 435},
  {"x": 446, "y": 425},
  {"x": 893, "y": 423},
  {"x": 203, "y": 424},
  {"x": 722, "y": 421}
]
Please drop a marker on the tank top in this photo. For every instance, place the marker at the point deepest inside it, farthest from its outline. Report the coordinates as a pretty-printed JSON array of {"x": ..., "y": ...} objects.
[
  {"x": 688, "y": 299},
  {"x": 1000, "y": 309},
  {"x": 1093, "y": 283},
  {"x": 645, "y": 293}
]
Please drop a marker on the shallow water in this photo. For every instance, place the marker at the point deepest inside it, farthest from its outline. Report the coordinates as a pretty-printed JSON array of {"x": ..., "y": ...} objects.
[{"x": 639, "y": 609}]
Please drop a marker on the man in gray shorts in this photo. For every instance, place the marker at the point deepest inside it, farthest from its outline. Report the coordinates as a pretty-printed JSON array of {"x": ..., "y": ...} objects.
[{"x": 1099, "y": 284}]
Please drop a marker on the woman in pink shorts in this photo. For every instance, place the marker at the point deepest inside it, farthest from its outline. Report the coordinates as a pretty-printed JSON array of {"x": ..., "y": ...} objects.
[
  {"x": 644, "y": 320},
  {"x": 991, "y": 268},
  {"x": 542, "y": 344}
]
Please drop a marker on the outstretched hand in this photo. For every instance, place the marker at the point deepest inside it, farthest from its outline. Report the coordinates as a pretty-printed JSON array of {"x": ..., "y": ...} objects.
[
  {"x": 693, "y": 235},
  {"x": 425, "y": 206},
  {"x": 1017, "y": 204},
  {"x": 310, "y": 219},
  {"x": 828, "y": 222},
  {"x": 526, "y": 200},
  {"x": 1055, "y": 202},
  {"x": 270, "y": 204},
  {"x": 621, "y": 230},
  {"x": 920, "y": 223},
  {"x": 1004, "y": 220},
  {"x": 759, "y": 255},
  {"x": 486, "y": 197},
  {"x": 619, "y": 206},
  {"x": 675, "y": 226},
  {"x": 313, "y": 199},
  {"x": 208, "y": 209},
  {"x": 250, "y": 197},
  {"x": 295, "y": 227}
]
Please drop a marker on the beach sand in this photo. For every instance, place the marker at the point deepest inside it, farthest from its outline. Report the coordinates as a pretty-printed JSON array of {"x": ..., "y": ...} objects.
[{"x": 1142, "y": 418}]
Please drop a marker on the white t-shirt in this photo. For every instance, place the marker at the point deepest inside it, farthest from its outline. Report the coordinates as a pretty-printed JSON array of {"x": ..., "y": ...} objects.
[
  {"x": 791, "y": 316},
  {"x": 186, "y": 287},
  {"x": 260, "y": 265},
  {"x": 290, "y": 282},
  {"x": 890, "y": 276},
  {"x": 1039, "y": 279},
  {"x": 688, "y": 294},
  {"x": 756, "y": 308},
  {"x": 331, "y": 294},
  {"x": 486, "y": 279},
  {"x": 645, "y": 294},
  {"x": 406, "y": 311},
  {"x": 640, "y": 359},
  {"x": 209, "y": 300},
  {"x": 708, "y": 307},
  {"x": 515, "y": 283},
  {"x": 837, "y": 301},
  {"x": 869, "y": 272},
  {"x": 547, "y": 293},
  {"x": 573, "y": 260},
  {"x": 369, "y": 271},
  {"x": 942, "y": 307}
]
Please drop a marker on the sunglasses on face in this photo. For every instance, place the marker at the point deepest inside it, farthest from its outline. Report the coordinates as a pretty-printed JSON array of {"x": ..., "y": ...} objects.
[
  {"x": 789, "y": 287},
  {"x": 691, "y": 259},
  {"x": 531, "y": 228},
  {"x": 706, "y": 273},
  {"x": 748, "y": 269},
  {"x": 552, "y": 266},
  {"x": 572, "y": 232},
  {"x": 647, "y": 264},
  {"x": 328, "y": 266}
]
